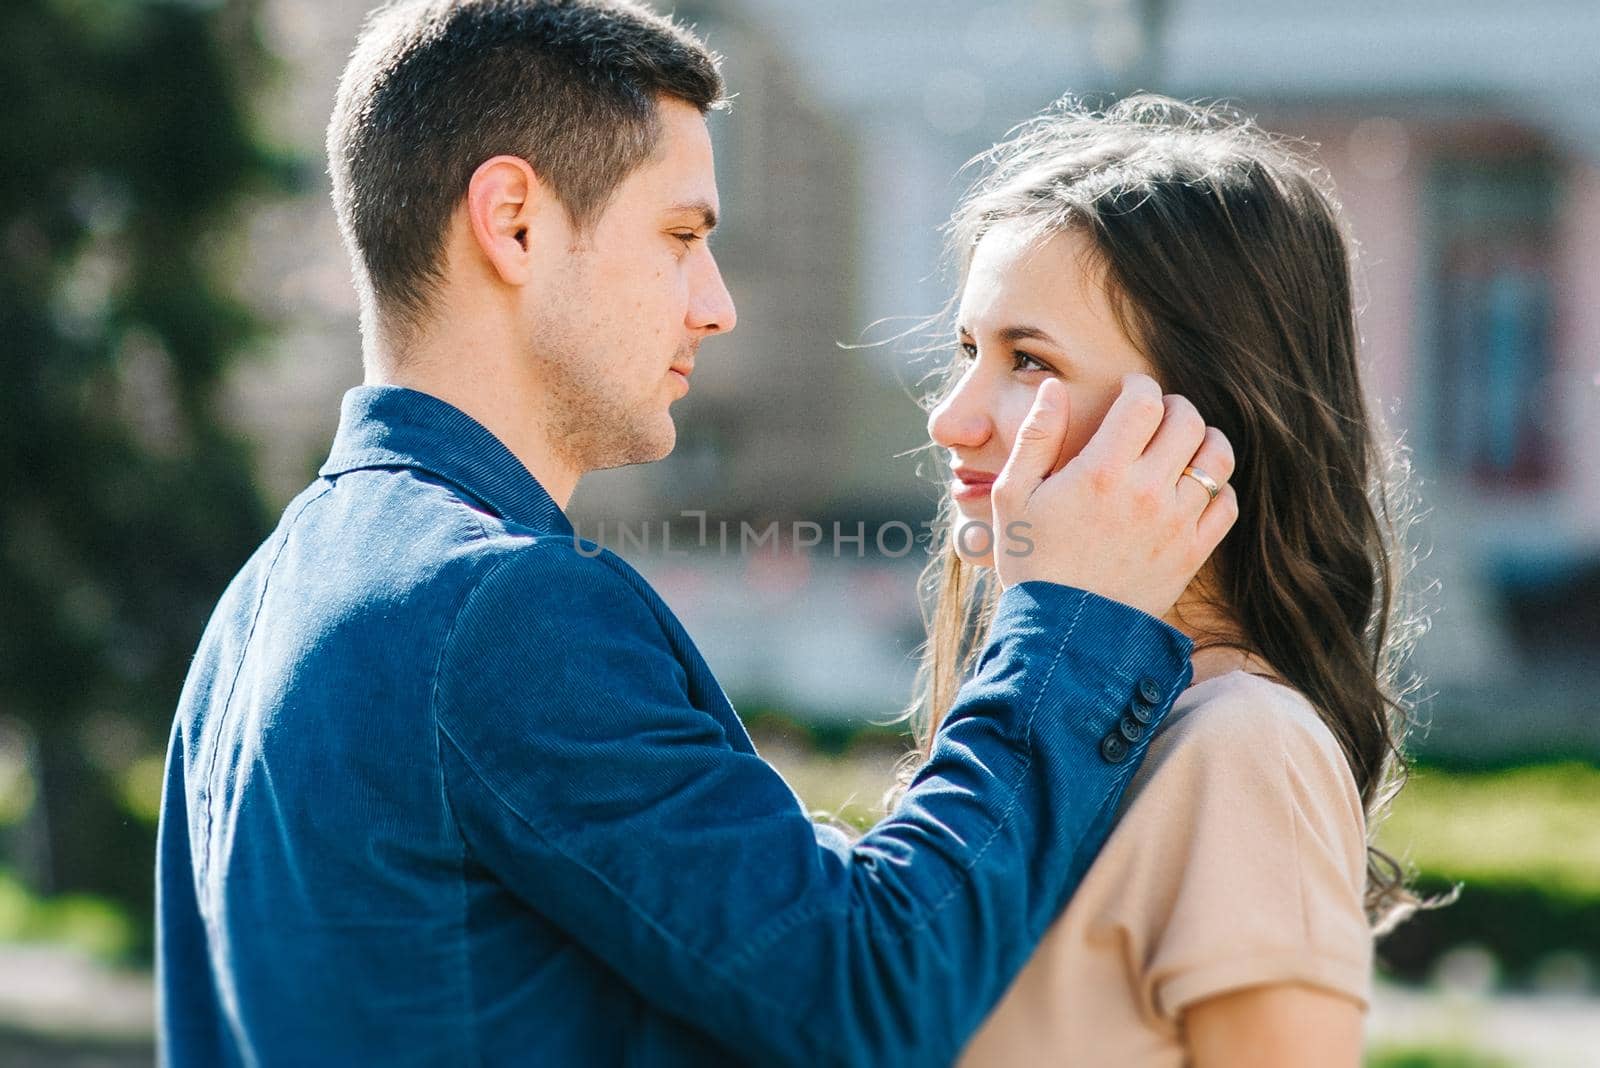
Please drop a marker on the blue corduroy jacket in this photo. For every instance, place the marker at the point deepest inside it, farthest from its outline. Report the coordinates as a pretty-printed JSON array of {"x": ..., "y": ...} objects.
[{"x": 448, "y": 787}]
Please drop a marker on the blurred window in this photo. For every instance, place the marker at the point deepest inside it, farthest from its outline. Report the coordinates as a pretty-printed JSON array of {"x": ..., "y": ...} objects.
[{"x": 1493, "y": 235}]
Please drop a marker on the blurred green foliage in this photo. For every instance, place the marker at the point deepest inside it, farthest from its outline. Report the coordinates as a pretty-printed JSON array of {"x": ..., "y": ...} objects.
[
  {"x": 94, "y": 925},
  {"x": 130, "y": 156},
  {"x": 840, "y": 775},
  {"x": 1524, "y": 846},
  {"x": 1431, "y": 1057},
  {"x": 1539, "y": 825},
  {"x": 1521, "y": 923}
]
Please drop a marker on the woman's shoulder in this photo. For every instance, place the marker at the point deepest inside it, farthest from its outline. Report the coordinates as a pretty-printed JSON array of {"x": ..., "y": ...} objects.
[
  {"x": 1238, "y": 705},
  {"x": 1244, "y": 740},
  {"x": 1245, "y": 846},
  {"x": 1248, "y": 716}
]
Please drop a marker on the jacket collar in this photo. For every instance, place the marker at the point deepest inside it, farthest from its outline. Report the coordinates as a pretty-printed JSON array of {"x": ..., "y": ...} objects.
[{"x": 391, "y": 426}]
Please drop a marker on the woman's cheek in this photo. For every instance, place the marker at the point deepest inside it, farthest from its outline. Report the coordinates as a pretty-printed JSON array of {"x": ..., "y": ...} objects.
[
  {"x": 1089, "y": 407},
  {"x": 1013, "y": 409}
]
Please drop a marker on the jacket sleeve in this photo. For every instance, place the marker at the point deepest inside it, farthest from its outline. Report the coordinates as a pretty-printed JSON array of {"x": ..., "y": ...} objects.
[
  {"x": 185, "y": 982},
  {"x": 584, "y": 778}
]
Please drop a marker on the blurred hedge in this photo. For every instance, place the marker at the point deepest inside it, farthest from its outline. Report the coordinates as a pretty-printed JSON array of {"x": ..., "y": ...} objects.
[
  {"x": 1522, "y": 924},
  {"x": 1524, "y": 846}
]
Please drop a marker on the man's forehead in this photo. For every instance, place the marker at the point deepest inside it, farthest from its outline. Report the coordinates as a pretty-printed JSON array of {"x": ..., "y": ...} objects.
[
  {"x": 679, "y": 177},
  {"x": 685, "y": 161}
]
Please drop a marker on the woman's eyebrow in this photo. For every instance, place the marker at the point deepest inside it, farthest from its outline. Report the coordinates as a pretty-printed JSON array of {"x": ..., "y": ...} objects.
[{"x": 1010, "y": 335}]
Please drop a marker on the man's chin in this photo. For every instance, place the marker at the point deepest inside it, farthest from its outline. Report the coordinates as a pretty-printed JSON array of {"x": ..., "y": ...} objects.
[
  {"x": 643, "y": 448},
  {"x": 659, "y": 445}
]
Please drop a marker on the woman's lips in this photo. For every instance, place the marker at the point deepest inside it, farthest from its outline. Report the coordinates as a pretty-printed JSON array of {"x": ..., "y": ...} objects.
[{"x": 971, "y": 486}]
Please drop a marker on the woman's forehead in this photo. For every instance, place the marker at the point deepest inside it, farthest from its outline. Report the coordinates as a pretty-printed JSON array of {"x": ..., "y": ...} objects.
[{"x": 1016, "y": 271}]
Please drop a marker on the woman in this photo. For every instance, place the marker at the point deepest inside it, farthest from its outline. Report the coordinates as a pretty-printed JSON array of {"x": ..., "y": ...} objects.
[{"x": 1229, "y": 920}]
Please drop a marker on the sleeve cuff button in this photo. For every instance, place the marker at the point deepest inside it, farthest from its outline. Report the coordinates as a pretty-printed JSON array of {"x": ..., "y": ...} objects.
[
  {"x": 1149, "y": 691},
  {"x": 1114, "y": 749}
]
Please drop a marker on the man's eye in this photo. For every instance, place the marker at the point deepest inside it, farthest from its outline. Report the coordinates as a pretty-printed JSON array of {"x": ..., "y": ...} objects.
[
  {"x": 968, "y": 350},
  {"x": 688, "y": 237}
]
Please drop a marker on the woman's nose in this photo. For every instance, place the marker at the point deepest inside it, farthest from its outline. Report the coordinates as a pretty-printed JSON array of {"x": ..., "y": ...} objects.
[{"x": 961, "y": 419}]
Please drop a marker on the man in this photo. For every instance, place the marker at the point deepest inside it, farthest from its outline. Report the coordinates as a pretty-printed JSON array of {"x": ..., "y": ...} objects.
[{"x": 448, "y": 787}]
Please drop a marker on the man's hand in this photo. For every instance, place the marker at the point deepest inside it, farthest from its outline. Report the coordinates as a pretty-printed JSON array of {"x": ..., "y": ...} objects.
[{"x": 1120, "y": 519}]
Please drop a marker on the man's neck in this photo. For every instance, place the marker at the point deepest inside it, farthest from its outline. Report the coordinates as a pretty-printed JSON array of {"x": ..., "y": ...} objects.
[{"x": 504, "y": 407}]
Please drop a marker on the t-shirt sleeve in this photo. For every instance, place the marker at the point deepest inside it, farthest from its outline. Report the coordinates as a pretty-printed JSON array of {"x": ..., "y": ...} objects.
[{"x": 1250, "y": 867}]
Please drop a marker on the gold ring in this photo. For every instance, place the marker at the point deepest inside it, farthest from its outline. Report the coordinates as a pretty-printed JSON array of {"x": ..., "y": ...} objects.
[{"x": 1210, "y": 484}]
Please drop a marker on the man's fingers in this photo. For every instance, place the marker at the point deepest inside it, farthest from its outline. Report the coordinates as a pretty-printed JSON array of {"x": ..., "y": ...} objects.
[
  {"x": 1128, "y": 426},
  {"x": 1217, "y": 519},
  {"x": 1214, "y": 460},
  {"x": 1181, "y": 435},
  {"x": 1113, "y": 520},
  {"x": 1215, "y": 455},
  {"x": 1038, "y": 445}
]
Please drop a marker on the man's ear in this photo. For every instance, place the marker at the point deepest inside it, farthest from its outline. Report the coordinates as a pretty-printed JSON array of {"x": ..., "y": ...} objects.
[{"x": 512, "y": 217}]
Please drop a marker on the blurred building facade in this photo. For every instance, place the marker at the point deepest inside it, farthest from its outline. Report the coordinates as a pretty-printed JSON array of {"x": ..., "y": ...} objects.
[{"x": 1461, "y": 136}]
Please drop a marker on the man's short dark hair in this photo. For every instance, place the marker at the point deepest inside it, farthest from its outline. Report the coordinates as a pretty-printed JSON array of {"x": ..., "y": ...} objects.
[{"x": 435, "y": 87}]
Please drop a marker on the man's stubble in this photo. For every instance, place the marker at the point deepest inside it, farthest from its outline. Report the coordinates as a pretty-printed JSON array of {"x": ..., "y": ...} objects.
[{"x": 596, "y": 421}]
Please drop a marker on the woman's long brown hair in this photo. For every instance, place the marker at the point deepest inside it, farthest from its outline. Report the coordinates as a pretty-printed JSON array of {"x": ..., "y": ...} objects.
[{"x": 1224, "y": 252}]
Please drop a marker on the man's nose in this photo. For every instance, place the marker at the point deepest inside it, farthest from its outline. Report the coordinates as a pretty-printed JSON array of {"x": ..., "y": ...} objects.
[{"x": 711, "y": 308}]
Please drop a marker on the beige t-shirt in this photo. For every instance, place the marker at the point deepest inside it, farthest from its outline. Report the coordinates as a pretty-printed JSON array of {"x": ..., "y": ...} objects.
[{"x": 1240, "y": 859}]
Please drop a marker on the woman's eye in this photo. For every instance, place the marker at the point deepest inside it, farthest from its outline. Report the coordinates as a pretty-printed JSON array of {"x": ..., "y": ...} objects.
[{"x": 1021, "y": 361}]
